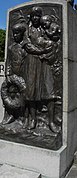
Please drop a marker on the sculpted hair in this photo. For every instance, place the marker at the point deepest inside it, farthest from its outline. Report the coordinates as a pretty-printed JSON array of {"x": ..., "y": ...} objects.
[
  {"x": 20, "y": 26},
  {"x": 36, "y": 11}
]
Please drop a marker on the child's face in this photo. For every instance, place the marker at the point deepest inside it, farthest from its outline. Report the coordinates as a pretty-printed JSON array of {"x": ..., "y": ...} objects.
[
  {"x": 17, "y": 34},
  {"x": 35, "y": 20},
  {"x": 35, "y": 16},
  {"x": 46, "y": 24}
]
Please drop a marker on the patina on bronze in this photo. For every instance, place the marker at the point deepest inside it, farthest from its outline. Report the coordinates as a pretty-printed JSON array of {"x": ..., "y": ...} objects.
[{"x": 32, "y": 90}]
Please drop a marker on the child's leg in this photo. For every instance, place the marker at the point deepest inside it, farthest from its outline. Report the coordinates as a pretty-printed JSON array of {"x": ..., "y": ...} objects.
[
  {"x": 52, "y": 125},
  {"x": 32, "y": 107},
  {"x": 8, "y": 118},
  {"x": 26, "y": 117}
]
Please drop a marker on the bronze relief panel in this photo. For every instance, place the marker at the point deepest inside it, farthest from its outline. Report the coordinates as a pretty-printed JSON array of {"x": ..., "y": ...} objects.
[{"x": 33, "y": 88}]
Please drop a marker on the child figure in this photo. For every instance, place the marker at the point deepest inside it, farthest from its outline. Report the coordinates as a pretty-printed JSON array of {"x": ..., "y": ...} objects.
[
  {"x": 16, "y": 53},
  {"x": 51, "y": 29},
  {"x": 16, "y": 57},
  {"x": 52, "y": 32},
  {"x": 51, "y": 37},
  {"x": 36, "y": 47}
]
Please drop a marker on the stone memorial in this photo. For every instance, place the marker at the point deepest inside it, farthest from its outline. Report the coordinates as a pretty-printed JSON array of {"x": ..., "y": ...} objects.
[{"x": 38, "y": 131}]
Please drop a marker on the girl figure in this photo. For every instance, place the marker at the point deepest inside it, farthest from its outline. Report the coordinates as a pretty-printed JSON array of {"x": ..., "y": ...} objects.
[{"x": 39, "y": 78}]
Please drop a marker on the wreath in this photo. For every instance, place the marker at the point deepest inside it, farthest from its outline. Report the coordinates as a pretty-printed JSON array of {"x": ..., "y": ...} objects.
[{"x": 12, "y": 92}]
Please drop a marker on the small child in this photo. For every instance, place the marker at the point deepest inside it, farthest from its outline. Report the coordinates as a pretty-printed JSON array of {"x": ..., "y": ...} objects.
[
  {"x": 51, "y": 29},
  {"x": 15, "y": 62}
]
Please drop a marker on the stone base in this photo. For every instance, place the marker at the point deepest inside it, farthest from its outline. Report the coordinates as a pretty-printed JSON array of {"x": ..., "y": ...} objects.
[
  {"x": 7, "y": 171},
  {"x": 48, "y": 163}
]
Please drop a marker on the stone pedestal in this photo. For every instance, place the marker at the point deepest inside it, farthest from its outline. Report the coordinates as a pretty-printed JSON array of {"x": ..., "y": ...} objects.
[
  {"x": 48, "y": 163},
  {"x": 11, "y": 171}
]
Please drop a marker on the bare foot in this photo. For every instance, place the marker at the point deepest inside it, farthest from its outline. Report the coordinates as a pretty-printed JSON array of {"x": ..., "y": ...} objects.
[
  {"x": 33, "y": 124},
  {"x": 26, "y": 122},
  {"x": 9, "y": 120},
  {"x": 54, "y": 128}
]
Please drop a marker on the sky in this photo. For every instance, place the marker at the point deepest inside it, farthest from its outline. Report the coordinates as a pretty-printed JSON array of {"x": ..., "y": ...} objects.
[{"x": 5, "y": 5}]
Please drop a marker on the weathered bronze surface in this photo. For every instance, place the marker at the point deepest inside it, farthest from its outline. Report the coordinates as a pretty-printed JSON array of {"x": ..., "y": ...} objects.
[{"x": 32, "y": 90}]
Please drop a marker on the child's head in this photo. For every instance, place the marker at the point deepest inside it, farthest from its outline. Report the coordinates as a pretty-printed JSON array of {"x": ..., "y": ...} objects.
[
  {"x": 45, "y": 21},
  {"x": 35, "y": 16},
  {"x": 18, "y": 32}
]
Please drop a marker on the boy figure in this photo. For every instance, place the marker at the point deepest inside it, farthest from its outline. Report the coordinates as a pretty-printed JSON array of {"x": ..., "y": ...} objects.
[
  {"x": 16, "y": 59},
  {"x": 16, "y": 53}
]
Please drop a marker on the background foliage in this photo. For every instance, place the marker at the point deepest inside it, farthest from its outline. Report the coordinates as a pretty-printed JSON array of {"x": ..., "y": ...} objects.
[{"x": 2, "y": 44}]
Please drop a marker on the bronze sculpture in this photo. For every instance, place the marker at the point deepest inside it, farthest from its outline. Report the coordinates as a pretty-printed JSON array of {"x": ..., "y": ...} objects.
[
  {"x": 33, "y": 59},
  {"x": 39, "y": 51}
]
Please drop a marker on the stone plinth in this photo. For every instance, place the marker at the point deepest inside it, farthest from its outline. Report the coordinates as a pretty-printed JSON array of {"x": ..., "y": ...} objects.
[
  {"x": 7, "y": 171},
  {"x": 35, "y": 159}
]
